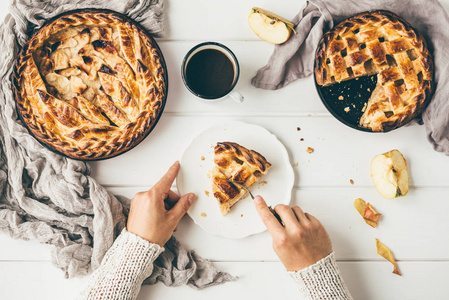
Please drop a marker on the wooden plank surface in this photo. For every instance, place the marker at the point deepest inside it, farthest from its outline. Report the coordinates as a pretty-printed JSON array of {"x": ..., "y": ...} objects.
[
  {"x": 264, "y": 281},
  {"x": 299, "y": 97},
  {"x": 415, "y": 227},
  {"x": 410, "y": 226},
  {"x": 341, "y": 153}
]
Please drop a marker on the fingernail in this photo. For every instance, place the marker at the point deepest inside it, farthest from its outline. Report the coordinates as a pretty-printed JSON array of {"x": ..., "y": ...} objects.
[
  {"x": 190, "y": 198},
  {"x": 176, "y": 163},
  {"x": 258, "y": 199}
]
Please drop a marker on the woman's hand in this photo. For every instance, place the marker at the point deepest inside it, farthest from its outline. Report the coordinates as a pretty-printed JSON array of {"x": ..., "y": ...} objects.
[
  {"x": 301, "y": 242},
  {"x": 154, "y": 214}
]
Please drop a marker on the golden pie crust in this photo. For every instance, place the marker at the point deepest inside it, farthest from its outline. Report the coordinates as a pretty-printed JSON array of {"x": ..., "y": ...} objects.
[
  {"x": 90, "y": 84},
  {"x": 381, "y": 43},
  {"x": 238, "y": 164}
]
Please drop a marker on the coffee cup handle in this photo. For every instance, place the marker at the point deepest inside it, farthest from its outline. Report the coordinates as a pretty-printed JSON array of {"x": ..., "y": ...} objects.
[{"x": 236, "y": 96}]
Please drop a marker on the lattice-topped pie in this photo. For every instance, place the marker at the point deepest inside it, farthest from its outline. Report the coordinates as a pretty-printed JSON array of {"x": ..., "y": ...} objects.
[
  {"x": 379, "y": 43},
  {"x": 90, "y": 84},
  {"x": 237, "y": 164}
]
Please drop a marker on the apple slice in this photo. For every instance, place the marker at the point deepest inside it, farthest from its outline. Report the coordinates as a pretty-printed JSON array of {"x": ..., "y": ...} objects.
[
  {"x": 269, "y": 26},
  {"x": 367, "y": 211},
  {"x": 386, "y": 253},
  {"x": 390, "y": 175}
]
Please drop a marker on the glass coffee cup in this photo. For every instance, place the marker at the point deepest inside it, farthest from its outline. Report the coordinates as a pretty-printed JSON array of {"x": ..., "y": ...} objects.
[{"x": 210, "y": 71}]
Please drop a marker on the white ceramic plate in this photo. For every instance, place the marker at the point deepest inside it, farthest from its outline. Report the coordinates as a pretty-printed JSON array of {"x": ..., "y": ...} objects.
[{"x": 243, "y": 219}]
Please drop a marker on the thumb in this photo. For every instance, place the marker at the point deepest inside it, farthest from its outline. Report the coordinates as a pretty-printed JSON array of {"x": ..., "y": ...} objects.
[
  {"x": 182, "y": 206},
  {"x": 260, "y": 204},
  {"x": 267, "y": 216}
]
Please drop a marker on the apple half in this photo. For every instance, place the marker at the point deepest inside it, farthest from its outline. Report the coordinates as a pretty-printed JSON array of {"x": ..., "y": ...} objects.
[
  {"x": 390, "y": 175},
  {"x": 269, "y": 26}
]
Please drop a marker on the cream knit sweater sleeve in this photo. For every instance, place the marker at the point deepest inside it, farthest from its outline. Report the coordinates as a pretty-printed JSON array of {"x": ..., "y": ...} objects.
[
  {"x": 123, "y": 269},
  {"x": 130, "y": 260},
  {"x": 322, "y": 280}
]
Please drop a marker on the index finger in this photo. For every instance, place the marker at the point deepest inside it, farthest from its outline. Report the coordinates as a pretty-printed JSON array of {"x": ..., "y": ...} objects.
[
  {"x": 164, "y": 184},
  {"x": 267, "y": 216}
]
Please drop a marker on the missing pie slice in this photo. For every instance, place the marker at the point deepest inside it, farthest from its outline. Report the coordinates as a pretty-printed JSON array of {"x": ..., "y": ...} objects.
[{"x": 238, "y": 164}]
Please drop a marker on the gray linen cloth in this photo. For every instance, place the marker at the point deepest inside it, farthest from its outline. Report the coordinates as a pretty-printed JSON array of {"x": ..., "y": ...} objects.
[
  {"x": 295, "y": 58},
  {"x": 53, "y": 200}
]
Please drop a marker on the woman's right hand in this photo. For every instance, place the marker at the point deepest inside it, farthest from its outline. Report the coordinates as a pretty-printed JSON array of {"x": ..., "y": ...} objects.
[{"x": 301, "y": 242}]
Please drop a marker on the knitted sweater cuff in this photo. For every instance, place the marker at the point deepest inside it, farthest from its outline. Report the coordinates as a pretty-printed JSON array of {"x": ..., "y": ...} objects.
[
  {"x": 322, "y": 280},
  {"x": 125, "y": 266}
]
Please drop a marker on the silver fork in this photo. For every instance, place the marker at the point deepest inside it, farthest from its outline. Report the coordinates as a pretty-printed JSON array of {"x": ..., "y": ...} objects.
[{"x": 249, "y": 192}]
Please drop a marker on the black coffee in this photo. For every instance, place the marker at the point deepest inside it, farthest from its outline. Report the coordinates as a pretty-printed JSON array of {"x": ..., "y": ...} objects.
[{"x": 210, "y": 73}]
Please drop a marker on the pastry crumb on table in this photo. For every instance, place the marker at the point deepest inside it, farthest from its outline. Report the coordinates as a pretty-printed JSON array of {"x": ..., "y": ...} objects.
[
  {"x": 295, "y": 164},
  {"x": 206, "y": 193},
  {"x": 298, "y": 129},
  {"x": 310, "y": 150},
  {"x": 202, "y": 157},
  {"x": 301, "y": 139},
  {"x": 351, "y": 181},
  {"x": 203, "y": 214},
  {"x": 241, "y": 216},
  {"x": 347, "y": 109},
  {"x": 264, "y": 182},
  {"x": 340, "y": 98}
]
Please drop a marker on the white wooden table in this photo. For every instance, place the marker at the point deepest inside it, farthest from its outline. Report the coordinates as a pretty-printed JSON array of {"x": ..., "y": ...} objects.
[{"x": 415, "y": 227}]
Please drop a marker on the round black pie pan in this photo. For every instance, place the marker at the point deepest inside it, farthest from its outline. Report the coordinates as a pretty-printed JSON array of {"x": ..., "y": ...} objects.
[{"x": 125, "y": 19}]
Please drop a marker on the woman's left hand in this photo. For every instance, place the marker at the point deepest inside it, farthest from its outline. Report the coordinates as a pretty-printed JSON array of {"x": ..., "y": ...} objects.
[{"x": 154, "y": 214}]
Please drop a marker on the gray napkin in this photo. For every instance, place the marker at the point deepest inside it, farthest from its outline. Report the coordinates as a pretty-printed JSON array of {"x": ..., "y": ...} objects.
[
  {"x": 52, "y": 199},
  {"x": 294, "y": 59}
]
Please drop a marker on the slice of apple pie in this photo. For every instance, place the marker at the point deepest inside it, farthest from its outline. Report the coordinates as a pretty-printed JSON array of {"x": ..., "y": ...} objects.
[{"x": 238, "y": 164}]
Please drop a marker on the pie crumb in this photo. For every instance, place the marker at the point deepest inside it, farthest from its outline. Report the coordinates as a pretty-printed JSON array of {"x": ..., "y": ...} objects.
[
  {"x": 295, "y": 164},
  {"x": 368, "y": 89},
  {"x": 298, "y": 129},
  {"x": 263, "y": 182},
  {"x": 301, "y": 139},
  {"x": 203, "y": 214},
  {"x": 347, "y": 109},
  {"x": 207, "y": 193},
  {"x": 351, "y": 181},
  {"x": 310, "y": 150},
  {"x": 202, "y": 157},
  {"x": 340, "y": 98},
  {"x": 241, "y": 216}
]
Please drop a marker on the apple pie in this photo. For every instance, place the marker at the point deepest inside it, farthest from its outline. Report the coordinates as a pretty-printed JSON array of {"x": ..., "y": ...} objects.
[
  {"x": 238, "y": 164},
  {"x": 381, "y": 43},
  {"x": 90, "y": 84}
]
